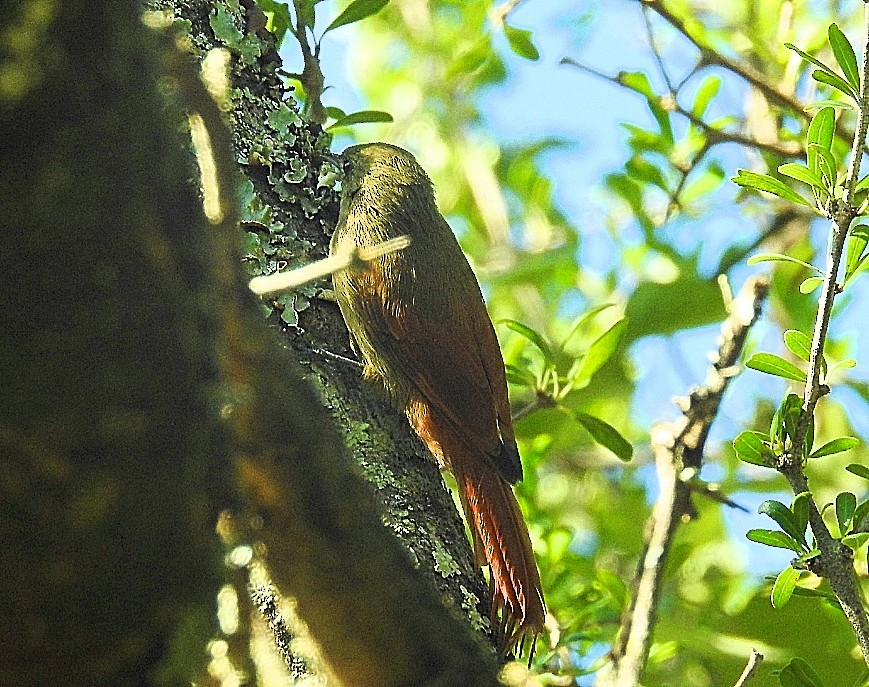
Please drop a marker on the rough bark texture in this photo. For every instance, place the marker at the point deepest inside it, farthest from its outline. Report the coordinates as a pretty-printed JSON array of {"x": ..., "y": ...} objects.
[{"x": 275, "y": 151}]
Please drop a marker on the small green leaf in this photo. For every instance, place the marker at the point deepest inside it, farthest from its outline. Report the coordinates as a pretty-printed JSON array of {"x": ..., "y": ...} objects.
[
  {"x": 809, "y": 284},
  {"x": 835, "y": 104},
  {"x": 764, "y": 182},
  {"x": 844, "y": 54},
  {"x": 278, "y": 18},
  {"x": 820, "y": 132},
  {"x": 835, "y": 446},
  {"x": 809, "y": 58},
  {"x": 798, "y": 673},
  {"x": 846, "y": 504},
  {"x": 826, "y": 162},
  {"x": 835, "y": 81},
  {"x": 779, "y": 257},
  {"x": 708, "y": 89},
  {"x": 521, "y": 376},
  {"x": 784, "y": 586},
  {"x": 531, "y": 335},
  {"x": 752, "y": 447},
  {"x": 859, "y": 470},
  {"x": 361, "y": 117},
  {"x": 356, "y": 11},
  {"x": 776, "y": 365},
  {"x": 784, "y": 518},
  {"x": 600, "y": 351},
  {"x": 785, "y": 419},
  {"x": 581, "y": 320},
  {"x": 798, "y": 343},
  {"x": 800, "y": 509},
  {"x": 774, "y": 538},
  {"x": 802, "y": 173},
  {"x": 858, "y": 237},
  {"x": 521, "y": 43},
  {"x": 606, "y": 435}
]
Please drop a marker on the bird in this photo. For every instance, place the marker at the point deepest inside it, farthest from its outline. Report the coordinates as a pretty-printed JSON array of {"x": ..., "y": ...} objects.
[{"x": 418, "y": 321}]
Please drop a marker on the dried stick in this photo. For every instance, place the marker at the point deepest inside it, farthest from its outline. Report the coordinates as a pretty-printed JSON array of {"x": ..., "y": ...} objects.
[
  {"x": 753, "y": 662},
  {"x": 678, "y": 449}
]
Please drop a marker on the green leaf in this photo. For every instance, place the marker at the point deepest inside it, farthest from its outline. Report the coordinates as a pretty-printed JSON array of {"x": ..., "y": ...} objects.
[
  {"x": 581, "y": 320},
  {"x": 784, "y": 518},
  {"x": 785, "y": 419},
  {"x": 809, "y": 58},
  {"x": 858, "y": 237},
  {"x": 809, "y": 284},
  {"x": 859, "y": 470},
  {"x": 606, "y": 435},
  {"x": 844, "y": 54},
  {"x": 820, "y": 132},
  {"x": 774, "y": 538},
  {"x": 356, "y": 11},
  {"x": 798, "y": 343},
  {"x": 784, "y": 586},
  {"x": 708, "y": 89},
  {"x": 846, "y": 504},
  {"x": 798, "y": 673},
  {"x": 835, "y": 446},
  {"x": 520, "y": 376},
  {"x": 826, "y": 162},
  {"x": 779, "y": 257},
  {"x": 800, "y": 509},
  {"x": 532, "y": 336},
  {"x": 802, "y": 173},
  {"x": 836, "y": 104},
  {"x": 752, "y": 447},
  {"x": 764, "y": 182},
  {"x": 600, "y": 351},
  {"x": 521, "y": 43},
  {"x": 776, "y": 365},
  {"x": 835, "y": 81},
  {"x": 361, "y": 117}
]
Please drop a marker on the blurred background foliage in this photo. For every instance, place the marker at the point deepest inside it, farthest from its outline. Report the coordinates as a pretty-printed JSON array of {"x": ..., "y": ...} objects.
[{"x": 581, "y": 152}]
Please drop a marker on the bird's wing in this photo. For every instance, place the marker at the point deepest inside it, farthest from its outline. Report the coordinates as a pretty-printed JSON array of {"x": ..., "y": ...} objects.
[{"x": 443, "y": 341}]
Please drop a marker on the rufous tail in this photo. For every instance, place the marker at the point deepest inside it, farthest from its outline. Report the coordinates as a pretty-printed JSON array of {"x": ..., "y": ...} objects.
[{"x": 501, "y": 541}]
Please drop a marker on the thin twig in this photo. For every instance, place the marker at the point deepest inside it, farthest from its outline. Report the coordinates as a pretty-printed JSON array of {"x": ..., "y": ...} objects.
[
  {"x": 312, "y": 75},
  {"x": 715, "y": 136},
  {"x": 678, "y": 449},
  {"x": 753, "y": 662},
  {"x": 835, "y": 560}
]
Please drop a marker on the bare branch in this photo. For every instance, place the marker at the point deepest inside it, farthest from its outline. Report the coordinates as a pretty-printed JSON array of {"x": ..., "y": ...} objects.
[{"x": 678, "y": 449}]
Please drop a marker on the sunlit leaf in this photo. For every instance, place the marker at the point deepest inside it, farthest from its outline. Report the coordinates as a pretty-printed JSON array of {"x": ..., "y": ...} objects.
[
  {"x": 764, "y": 182},
  {"x": 521, "y": 43},
  {"x": 751, "y": 447},
  {"x": 601, "y": 351},
  {"x": 581, "y": 320},
  {"x": 800, "y": 508},
  {"x": 798, "y": 343},
  {"x": 835, "y": 446},
  {"x": 779, "y": 257},
  {"x": 844, "y": 54},
  {"x": 820, "y": 132},
  {"x": 361, "y": 117},
  {"x": 856, "y": 540},
  {"x": 846, "y": 504},
  {"x": 532, "y": 336},
  {"x": 708, "y": 89},
  {"x": 606, "y": 435},
  {"x": 774, "y": 538},
  {"x": 356, "y": 11},
  {"x": 775, "y": 365},
  {"x": 784, "y": 586},
  {"x": 835, "y": 81},
  {"x": 809, "y": 284},
  {"x": 858, "y": 238}
]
